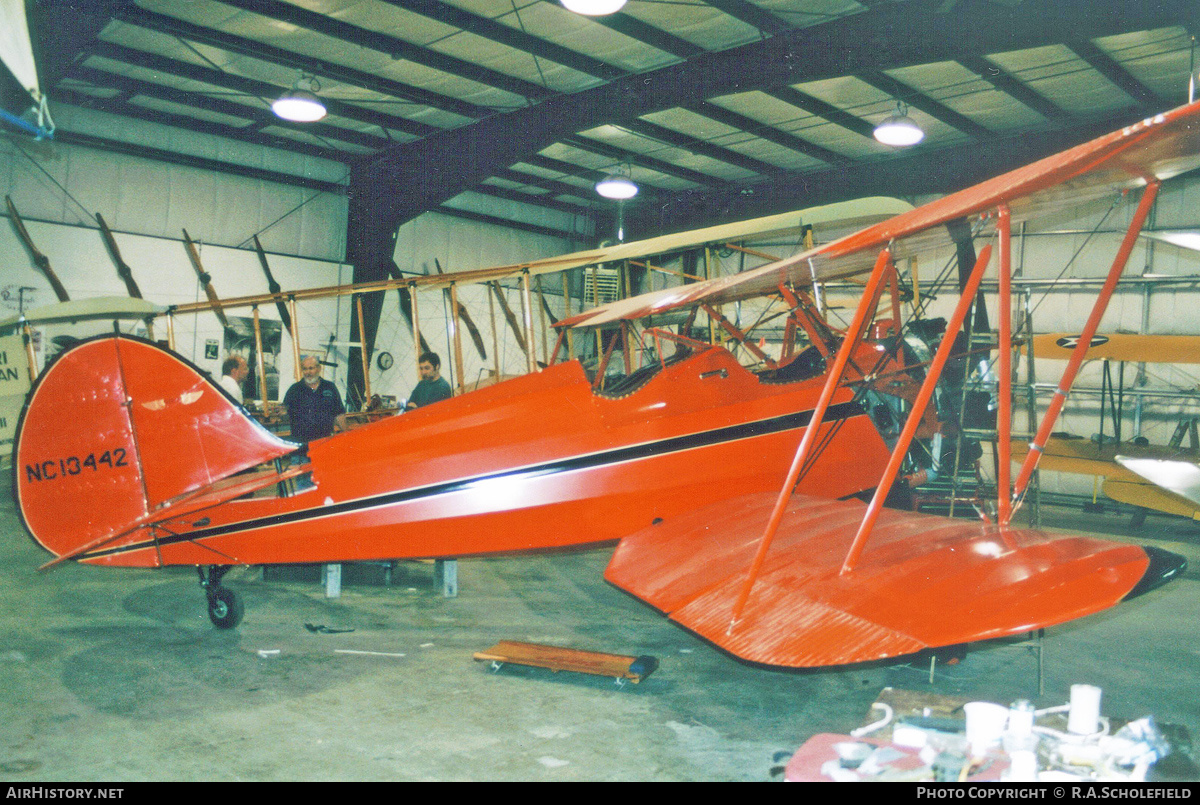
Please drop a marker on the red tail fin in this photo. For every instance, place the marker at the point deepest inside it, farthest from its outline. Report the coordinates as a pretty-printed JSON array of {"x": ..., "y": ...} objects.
[{"x": 115, "y": 429}]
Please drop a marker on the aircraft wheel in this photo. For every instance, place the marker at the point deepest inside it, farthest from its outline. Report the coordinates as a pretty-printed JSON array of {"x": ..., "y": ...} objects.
[{"x": 225, "y": 608}]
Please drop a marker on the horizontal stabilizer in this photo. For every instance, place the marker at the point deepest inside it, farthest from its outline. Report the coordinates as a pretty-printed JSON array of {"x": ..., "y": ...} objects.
[{"x": 921, "y": 582}]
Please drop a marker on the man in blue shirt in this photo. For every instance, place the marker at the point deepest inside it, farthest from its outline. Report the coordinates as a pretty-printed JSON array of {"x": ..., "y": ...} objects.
[
  {"x": 432, "y": 386},
  {"x": 313, "y": 405}
]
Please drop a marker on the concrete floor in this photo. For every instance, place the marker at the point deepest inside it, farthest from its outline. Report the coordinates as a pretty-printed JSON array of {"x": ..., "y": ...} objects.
[{"x": 117, "y": 675}]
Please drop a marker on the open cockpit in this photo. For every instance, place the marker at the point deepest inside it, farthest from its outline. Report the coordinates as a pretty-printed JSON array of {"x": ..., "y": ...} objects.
[{"x": 788, "y": 342}]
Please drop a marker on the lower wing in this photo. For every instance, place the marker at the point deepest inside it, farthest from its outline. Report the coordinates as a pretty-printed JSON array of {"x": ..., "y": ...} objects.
[{"x": 922, "y": 582}]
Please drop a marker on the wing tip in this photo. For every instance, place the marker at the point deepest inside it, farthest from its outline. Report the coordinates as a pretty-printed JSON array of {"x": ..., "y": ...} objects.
[{"x": 1164, "y": 566}]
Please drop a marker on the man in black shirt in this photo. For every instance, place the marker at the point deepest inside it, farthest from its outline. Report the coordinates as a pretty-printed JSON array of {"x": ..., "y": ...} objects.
[{"x": 313, "y": 405}]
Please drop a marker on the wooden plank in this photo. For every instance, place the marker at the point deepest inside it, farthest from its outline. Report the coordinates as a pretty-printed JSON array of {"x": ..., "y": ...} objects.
[{"x": 557, "y": 658}]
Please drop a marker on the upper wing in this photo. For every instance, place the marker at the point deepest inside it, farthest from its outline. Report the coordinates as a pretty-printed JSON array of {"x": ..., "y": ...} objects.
[
  {"x": 922, "y": 582},
  {"x": 846, "y": 214},
  {"x": 1156, "y": 148},
  {"x": 1122, "y": 347},
  {"x": 98, "y": 308}
]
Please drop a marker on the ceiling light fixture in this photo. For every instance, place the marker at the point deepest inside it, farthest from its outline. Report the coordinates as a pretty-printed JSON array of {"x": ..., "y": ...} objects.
[
  {"x": 617, "y": 185},
  {"x": 593, "y": 8},
  {"x": 301, "y": 104},
  {"x": 898, "y": 129}
]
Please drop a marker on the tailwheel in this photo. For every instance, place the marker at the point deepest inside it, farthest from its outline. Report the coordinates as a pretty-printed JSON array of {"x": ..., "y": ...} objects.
[{"x": 225, "y": 607}]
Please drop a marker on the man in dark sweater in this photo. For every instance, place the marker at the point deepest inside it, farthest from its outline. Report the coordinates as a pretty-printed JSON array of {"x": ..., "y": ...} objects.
[
  {"x": 313, "y": 405},
  {"x": 432, "y": 386}
]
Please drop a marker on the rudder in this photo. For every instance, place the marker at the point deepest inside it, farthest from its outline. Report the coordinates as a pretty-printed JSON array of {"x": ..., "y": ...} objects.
[{"x": 116, "y": 428}]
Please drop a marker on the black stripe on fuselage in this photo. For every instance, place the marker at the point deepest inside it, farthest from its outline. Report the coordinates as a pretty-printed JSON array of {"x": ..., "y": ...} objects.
[{"x": 618, "y": 455}]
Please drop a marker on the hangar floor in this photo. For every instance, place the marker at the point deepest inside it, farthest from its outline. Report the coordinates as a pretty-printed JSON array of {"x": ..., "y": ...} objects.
[{"x": 117, "y": 675}]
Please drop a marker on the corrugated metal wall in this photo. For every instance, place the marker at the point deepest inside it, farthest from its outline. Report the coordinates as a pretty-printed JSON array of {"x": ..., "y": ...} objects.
[{"x": 57, "y": 188}]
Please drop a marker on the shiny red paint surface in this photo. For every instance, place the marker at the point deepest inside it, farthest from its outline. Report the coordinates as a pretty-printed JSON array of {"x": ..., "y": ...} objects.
[
  {"x": 922, "y": 581},
  {"x": 107, "y": 440},
  {"x": 537, "y": 462}
]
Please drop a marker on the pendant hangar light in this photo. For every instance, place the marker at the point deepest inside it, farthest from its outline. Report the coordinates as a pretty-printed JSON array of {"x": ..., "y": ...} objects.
[
  {"x": 593, "y": 8},
  {"x": 301, "y": 104},
  {"x": 617, "y": 185},
  {"x": 898, "y": 129}
]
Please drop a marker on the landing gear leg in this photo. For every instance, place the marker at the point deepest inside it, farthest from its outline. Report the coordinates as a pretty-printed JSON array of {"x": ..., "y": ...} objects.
[
  {"x": 1139, "y": 518},
  {"x": 225, "y": 607}
]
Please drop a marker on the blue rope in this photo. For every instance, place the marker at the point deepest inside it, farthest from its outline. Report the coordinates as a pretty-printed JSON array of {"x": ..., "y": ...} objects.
[{"x": 24, "y": 125}]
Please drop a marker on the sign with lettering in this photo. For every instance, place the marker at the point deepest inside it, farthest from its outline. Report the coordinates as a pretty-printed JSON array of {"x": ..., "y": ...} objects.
[{"x": 14, "y": 383}]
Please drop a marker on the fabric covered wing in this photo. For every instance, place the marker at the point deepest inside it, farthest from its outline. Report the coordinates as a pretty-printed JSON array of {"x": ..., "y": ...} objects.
[
  {"x": 1121, "y": 347},
  {"x": 922, "y": 582},
  {"x": 1156, "y": 148},
  {"x": 1180, "y": 476}
]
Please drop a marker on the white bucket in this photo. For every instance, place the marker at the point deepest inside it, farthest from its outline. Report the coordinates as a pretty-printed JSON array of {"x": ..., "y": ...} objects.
[
  {"x": 1084, "y": 717},
  {"x": 986, "y": 722}
]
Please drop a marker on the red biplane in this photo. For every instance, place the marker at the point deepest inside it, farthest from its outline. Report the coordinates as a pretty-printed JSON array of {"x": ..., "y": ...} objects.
[{"x": 732, "y": 492}]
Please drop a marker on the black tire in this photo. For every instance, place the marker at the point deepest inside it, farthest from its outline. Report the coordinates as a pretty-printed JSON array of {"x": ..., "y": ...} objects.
[{"x": 225, "y": 608}]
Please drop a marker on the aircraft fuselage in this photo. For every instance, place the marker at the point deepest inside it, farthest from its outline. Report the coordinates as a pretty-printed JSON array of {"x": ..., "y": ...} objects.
[{"x": 538, "y": 462}]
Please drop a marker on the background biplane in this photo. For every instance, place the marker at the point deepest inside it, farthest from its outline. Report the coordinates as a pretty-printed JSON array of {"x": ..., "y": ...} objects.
[
  {"x": 71, "y": 320},
  {"x": 1155, "y": 483},
  {"x": 732, "y": 492}
]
